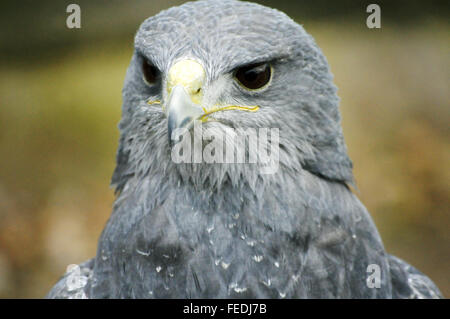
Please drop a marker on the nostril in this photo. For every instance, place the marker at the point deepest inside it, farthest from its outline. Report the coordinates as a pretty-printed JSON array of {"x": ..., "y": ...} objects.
[{"x": 198, "y": 90}]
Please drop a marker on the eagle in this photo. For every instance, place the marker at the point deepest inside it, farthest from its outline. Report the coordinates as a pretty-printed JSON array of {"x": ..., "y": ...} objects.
[{"x": 214, "y": 73}]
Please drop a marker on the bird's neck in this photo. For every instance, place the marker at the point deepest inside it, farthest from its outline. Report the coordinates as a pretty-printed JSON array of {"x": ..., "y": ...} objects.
[{"x": 271, "y": 200}]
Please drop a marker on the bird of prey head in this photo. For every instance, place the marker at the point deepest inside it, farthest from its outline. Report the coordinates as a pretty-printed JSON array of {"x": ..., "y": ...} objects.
[
  {"x": 237, "y": 65},
  {"x": 225, "y": 229}
]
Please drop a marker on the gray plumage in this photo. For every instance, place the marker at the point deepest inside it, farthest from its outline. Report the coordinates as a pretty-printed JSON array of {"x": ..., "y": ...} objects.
[{"x": 226, "y": 230}]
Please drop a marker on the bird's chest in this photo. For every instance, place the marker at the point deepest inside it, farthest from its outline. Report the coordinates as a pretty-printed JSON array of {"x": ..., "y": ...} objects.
[
  {"x": 186, "y": 249},
  {"x": 218, "y": 264},
  {"x": 186, "y": 252}
]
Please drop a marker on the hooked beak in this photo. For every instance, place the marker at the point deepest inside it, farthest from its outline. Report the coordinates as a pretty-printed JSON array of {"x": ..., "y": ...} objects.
[
  {"x": 184, "y": 87},
  {"x": 181, "y": 112}
]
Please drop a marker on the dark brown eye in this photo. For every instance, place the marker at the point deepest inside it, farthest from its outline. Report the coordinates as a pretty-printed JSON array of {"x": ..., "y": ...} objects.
[
  {"x": 254, "y": 76},
  {"x": 151, "y": 73}
]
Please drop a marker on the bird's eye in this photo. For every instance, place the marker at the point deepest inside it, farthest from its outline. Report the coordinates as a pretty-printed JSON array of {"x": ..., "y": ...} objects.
[
  {"x": 254, "y": 76},
  {"x": 150, "y": 72}
]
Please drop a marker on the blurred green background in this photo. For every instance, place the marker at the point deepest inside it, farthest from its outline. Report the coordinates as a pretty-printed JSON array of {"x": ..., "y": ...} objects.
[{"x": 60, "y": 101}]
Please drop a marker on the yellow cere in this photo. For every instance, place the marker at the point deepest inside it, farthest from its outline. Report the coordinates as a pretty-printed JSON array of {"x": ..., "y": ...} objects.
[{"x": 189, "y": 74}]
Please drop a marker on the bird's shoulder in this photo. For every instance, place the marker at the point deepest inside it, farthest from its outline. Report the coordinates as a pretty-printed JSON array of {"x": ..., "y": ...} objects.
[
  {"x": 74, "y": 283},
  {"x": 410, "y": 283}
]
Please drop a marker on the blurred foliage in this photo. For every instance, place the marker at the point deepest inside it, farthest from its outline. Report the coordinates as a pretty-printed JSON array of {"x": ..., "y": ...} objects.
[
  {"x": 60, "y": 99},
  {"x": 25, "y": 25}
]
